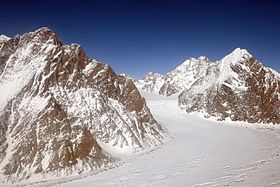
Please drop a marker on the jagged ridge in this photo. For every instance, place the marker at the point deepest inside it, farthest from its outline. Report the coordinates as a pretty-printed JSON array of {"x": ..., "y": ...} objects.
[
  {"x": 237, "y": 87},
  {"x": 58, "y": 107}
]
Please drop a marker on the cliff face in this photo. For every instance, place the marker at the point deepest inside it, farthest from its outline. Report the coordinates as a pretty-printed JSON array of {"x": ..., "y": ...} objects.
[
  {"x": 237, "y": 87},
  {"x": 58, "y": 107}
]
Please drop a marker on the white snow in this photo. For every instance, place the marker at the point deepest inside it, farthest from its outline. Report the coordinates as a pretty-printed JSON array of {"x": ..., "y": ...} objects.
[
  {"x": 274, "y": 72},
  {"x": 4, "y": 38},
  {"x": 186, "y": 74},
  {"x": 236, "y": 56},
  {"x": 226, "y": 73},
  {"x": 90, "y": 67},
  {"x": 17, "y": 74},
  {"x": 116, "y": 150},
  {"x": 152, "y": 82},
  {"x": 201, "y": 152},
  {"x": 193, "y": 70}
]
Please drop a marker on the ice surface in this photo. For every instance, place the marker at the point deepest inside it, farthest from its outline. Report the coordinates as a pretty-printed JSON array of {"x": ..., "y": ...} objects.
[{"x": 200, "y": 153}]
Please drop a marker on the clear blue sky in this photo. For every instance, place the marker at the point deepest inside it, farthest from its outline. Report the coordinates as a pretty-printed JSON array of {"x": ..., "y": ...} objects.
[{"x": 138, "y": 36}]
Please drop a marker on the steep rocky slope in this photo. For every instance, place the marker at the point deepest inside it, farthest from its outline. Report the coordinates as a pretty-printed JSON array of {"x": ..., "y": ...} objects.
[
  {"x": 57, "y": 107},
  {"x": 238, "y": 87}
]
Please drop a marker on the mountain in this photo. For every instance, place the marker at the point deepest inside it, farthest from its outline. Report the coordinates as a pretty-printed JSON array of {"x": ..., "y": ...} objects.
[
  {"x": 152, "y": 82},
  {"x": 61, "y": 113},
  {"x": 4, "y": 38},
  {"x": 237, "y": 87},
  {"x": 175, "y": 81},
  {"x": 127, "y": 76}
]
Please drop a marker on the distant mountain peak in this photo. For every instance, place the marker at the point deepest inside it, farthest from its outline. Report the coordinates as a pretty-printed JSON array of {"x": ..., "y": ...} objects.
[
  {"x": 203, "y": 58},
  {"x": 154, "y": 73},
  {"x": 4, "y": 38},
  {"x": 236, "y": 56},
  {"x": 43, "y": 29},
  {"x": 237, "y": 87},
  {"x": 127, "y": 76},
  {"x": 195, "y": 60}
]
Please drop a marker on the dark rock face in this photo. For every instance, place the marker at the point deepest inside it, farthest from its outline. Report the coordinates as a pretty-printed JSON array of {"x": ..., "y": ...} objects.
[
  {"x": 242, "y": 90},
  {"x": 57, "y": 105}
]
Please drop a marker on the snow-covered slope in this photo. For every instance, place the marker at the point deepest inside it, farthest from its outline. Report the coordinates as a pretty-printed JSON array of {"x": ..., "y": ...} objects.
[
  {"x": 184, "y": 75},
  {"x": 152, "y": 82},
  {"x": 4, "y": 38},
  {"x": 175, "y": 81},
  {"x": 60, "y": 110},
  {"x": 201, "y": 153}
]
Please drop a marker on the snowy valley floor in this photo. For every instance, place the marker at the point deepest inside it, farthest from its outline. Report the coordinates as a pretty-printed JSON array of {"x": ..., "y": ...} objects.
[{"x": 200, "y": 153}]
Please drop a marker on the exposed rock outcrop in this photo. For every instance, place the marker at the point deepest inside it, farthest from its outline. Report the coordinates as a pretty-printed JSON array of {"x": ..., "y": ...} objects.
[
  {"x": 57, "y": 105},
  {"x": 237, "y": 87}
]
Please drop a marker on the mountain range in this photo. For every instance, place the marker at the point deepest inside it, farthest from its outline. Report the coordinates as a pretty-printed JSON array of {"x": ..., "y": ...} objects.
[
  {"x": 237, "y": 87},
  {"x": 62, "y": 113}
]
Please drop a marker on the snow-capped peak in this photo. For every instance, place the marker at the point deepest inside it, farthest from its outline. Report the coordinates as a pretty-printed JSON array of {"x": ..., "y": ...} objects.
[
  {"x": 236, "y": 56},
  {"x": 46, "y": 35},
  {"x": 191, "y": 62},
  {"x": 203, "y": 58},
  {"x": 237, "y": 87},
  {"x": 42, "y": 29},
  {"x": 4, "y": 38},
  {"x": 60, "y": 111},
  {"x": 127, "y": 76},
  {"x": 152, "y": 75}
]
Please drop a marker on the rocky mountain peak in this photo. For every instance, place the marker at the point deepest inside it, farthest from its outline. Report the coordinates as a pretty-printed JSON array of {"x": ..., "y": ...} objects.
[
  {"x": 152, "y": 76},
  {"x": 176, "y": 80},
  {"x": 236, "y": 56},
  {"x": 42, "y": 35},
  {"x": 203, "y": 58},
  {"x": 4, "y": 38},
  {"x": 193, "y": 69},
  {"x": 191, "y": 63},
  {"x": 238, "y": 87},
  {"x": 127, "y": 76},
  {"x": 63, "y": 113},
  {"x": 45, "y": 31}
]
